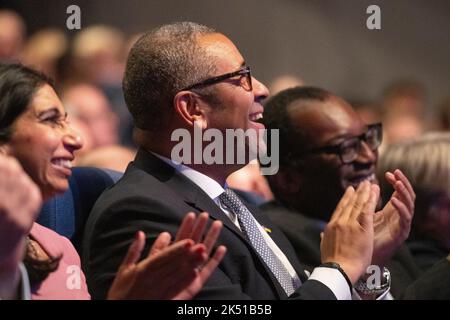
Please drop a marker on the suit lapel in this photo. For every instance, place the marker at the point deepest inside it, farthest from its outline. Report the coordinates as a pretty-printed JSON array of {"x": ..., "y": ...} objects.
[
  {"x": 191, "y": 194},
  {"x": 196, "y": 198}
]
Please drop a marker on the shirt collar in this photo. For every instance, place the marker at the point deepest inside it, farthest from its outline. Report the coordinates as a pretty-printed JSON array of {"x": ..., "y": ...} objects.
[{"x": 210, "y": 186}]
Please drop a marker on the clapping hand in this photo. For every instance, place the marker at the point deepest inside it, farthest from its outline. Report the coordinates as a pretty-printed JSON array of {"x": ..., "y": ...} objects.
[
  {"x": 393, "y": 223},
  {"x": 170, "y": 271}
]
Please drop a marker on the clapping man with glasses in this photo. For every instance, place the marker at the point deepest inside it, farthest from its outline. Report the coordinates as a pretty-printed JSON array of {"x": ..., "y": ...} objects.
[
  {"x": 324, "y": 148},
  {"x": 181, "y": 76}
]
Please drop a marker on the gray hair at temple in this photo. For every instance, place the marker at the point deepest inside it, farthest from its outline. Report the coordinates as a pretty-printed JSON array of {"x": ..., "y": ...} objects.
[
  {"x": 161, "y": 63},
  {"x": 426, "y": 162}
]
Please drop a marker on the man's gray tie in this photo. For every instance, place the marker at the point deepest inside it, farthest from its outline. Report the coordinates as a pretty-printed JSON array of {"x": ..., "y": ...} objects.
[{"x": 253, "y": 234}]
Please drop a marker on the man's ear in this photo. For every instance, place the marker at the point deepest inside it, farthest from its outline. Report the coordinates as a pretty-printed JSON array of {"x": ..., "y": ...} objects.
[
  {"x": 188, "y": 107},
  {"x": 287, "y": 180}
]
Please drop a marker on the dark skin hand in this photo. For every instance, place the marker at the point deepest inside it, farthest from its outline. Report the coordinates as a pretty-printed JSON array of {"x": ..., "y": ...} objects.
[
  {"x": 393, "y": 223},
  {"x": 348, "y": 237}
]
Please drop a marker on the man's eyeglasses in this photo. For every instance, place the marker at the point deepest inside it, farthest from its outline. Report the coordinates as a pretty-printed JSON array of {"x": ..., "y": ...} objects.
[
  {"x": 245, "y": 79},
  {"x": 349, "y": 149}
]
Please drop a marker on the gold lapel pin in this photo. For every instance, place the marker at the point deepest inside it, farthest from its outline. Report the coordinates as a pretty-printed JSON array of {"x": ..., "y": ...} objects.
[{"x": 267, "y": 229}]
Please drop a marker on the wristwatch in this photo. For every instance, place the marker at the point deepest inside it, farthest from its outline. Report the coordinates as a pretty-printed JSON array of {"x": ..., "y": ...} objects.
[{"x": 372, "y": 286}]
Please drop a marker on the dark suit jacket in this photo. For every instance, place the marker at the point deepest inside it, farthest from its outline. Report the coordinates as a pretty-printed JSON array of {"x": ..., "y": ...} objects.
[
  {"x": 302, "y": 232},
  {"x": 427, "y": 252},
  {"x": 408, "y": 281},
  {"x": 153, "y": 197}
]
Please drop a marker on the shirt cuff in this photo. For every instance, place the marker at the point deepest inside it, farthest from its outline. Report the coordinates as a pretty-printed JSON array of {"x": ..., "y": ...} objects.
[{"x": 334, "y": 280}]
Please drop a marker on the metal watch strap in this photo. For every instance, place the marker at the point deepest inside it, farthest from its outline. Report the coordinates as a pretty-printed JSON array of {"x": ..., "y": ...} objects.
[{"x": 368, "y": 287}]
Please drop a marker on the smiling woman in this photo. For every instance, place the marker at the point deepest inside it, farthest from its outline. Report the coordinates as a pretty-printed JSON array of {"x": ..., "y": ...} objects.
[
  {"x": 34, "y": 131},
  {"x": 44, "y": 143}
]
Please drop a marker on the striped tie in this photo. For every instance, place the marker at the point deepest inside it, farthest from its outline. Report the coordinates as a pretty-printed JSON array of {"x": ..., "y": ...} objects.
[{"x": 253, "y": 234}]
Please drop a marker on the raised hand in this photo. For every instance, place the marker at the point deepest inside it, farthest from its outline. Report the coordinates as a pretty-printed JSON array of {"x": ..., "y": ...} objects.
[
  {"x": 20, "y": 201},
  {"x": 393, "y": 223},
  {"x": 170, "y": 271},
  {"x": 348, "y": 237},
  {"x": 193, "y": 229}
]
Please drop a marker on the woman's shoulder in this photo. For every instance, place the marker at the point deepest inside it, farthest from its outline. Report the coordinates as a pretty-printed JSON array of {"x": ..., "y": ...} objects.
[
  {"x": 39, "y": 232},
  {"x": 68, "y": 281},
  {"x": 52, "y": 242}
]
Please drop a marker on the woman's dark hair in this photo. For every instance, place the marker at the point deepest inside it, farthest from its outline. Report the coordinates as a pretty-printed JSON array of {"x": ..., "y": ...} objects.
[
  {"x": 18, "y": 84},
  {"x": 38, "y": 269}
]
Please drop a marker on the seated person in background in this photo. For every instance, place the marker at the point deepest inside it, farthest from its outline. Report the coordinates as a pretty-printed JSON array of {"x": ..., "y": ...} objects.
[
  {"x": 324, "y": 148},
  {"x": 445, "y": 115},
  {"x": 34, "y": 130},
  {"x": 285, "y": 81},
  {"x": 403, "y": 106},
  {"x": 88, "y": 104},
  {"x": 111, "y": 157},
  {"x": 249, "y": 179},
  {"x": 426, "y": 161},
  {"x": 206, "y": 84},
  {"x": 12, "y": 36}
]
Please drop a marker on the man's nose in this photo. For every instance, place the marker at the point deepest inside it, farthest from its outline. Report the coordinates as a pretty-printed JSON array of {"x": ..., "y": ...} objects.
[
  {"x": 259, "y": 89},
  {"x": 366, "y": 154}
]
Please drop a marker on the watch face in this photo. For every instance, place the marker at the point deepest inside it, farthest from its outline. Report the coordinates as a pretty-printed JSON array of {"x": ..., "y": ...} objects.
[{"x": 386, "y": 277}]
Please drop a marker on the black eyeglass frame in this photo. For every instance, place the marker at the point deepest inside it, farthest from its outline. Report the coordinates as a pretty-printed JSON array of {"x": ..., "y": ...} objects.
[
  {"x": 245, "y": 71},
  {"x": 337, "y": 149}
]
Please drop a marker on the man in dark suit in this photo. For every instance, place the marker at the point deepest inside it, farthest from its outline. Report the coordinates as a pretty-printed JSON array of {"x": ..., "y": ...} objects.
[
  {"x": 325, "y": 147},
  {"x": 190, "y": 77}
]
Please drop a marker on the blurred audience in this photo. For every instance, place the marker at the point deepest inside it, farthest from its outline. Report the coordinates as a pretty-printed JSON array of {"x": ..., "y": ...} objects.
[
  {"x": 44, "y": 49},
  {"x": 404, "y": 111},
  {"x": 99, "y": 54},
  {"x": 404, "y": 97},
  {"x": 91, "y": 66},
  {"x": 110, "y": 157},
  {"x": 426, "y": 161},
  {"x": 12, "y": 36},
  {"x": 445, "y": 114},
  {"x": 249, "y": 179},
  {"x": 369, "y": 112},
  {"x": 88, "y": 104},
  {"x": 284, "y": 81},
  {"x": 92, "y": 117}
]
